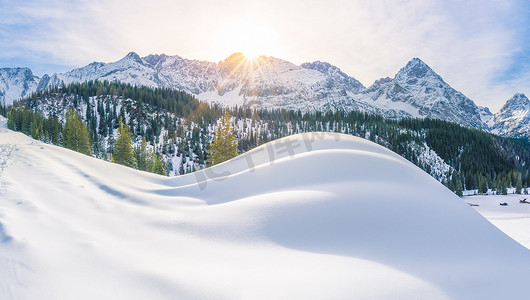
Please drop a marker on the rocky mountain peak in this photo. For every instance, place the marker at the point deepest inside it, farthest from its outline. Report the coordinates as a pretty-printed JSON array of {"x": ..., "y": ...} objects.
[
  {"x": 268, "y": 82},
  {"x": 517, "y": 102},
  {"x": 416, "y": 68},
  {"x": 154, "y": 59},
  {"x": 321, "y": 66},
  {"x": 16, "y": 83},
  {"x": 513, "y": 119},
  {"x": 335, "y": 73},
  {"x": 233, "y": 59},
  {"x": 132, "y": 56},
  {"x": 22, "y": 73}
]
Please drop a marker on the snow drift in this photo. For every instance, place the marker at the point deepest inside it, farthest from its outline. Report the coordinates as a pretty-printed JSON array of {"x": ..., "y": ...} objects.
[{"x": 313, "y": 216}]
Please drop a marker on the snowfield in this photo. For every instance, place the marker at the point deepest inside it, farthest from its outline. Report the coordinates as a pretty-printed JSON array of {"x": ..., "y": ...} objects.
[
  {"x": 513, "y": 219},
  {"x": 312, "y": 216}
]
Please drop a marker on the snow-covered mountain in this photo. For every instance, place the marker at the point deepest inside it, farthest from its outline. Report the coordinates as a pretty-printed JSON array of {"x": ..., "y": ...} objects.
[
  {"x": 16, "y": 83},
  {"x": 327, "y": 217},
  {"x": 268, "y": 82},
  {"x": 513, "y": 120},
  {"x": 485, "y": 114},
  {"x": 153, "y": 70},
  {"x": 416, "y": 85}
]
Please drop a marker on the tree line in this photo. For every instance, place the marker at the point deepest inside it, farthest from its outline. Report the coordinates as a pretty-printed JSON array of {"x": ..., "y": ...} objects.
[{"x": 178, "y": 129}]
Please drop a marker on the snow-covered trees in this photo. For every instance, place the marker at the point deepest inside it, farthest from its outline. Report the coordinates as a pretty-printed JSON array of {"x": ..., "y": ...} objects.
[
  {"x": 224, "y": 143},
  {"x": 144, "y": 156},
  {"x": 179, "y": 127},
  {"x": 76, "y": 134},
  {"x": 146, "y": 160}
]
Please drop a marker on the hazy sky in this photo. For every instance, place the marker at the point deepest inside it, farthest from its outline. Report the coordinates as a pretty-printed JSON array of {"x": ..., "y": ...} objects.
[{"x": 481, "y": 48}]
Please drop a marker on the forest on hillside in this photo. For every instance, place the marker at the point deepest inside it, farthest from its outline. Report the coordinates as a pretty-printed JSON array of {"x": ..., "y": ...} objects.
[{"x": 174, "y": 129}]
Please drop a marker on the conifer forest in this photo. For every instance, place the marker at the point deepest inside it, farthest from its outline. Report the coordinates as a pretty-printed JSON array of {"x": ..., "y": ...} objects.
[{"x": 169, "y": 132}]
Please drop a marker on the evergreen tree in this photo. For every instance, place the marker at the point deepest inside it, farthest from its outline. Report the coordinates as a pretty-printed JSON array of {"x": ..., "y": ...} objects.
[
  {"x": 450, "y": 185},
  {"x": 518, "y": 184},
  {"x": 224, "y": 143},
  {"x": 158, "y": 167},
  {"x": 483, "y": 185},
  {"x": 144, "y": 156},
  {"x": 76, "y": 134},
  {"x": 503, "y": 188},
  {"x": 181, "y": 169},
  {"x": 186, "y": 123},
  {"x": 3, "y": 110},
  {"x": 123, "y": 152},
  {"x": 459, "y": 188}
]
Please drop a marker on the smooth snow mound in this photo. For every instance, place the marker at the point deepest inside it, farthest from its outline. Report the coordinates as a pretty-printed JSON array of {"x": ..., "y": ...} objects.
[{"x": 311, "y": 216}]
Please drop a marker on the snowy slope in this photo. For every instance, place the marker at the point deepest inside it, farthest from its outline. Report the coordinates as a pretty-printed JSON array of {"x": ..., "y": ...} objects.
[
  {"x": 346, "y": 220},
  {"x": 16, "y": 83},
  {"x": 485, "y": 114},
  {"x": 513, "y": 120}
]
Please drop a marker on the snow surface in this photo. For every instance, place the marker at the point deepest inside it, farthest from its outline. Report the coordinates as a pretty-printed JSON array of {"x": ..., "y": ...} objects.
[
  {"x": 513, "y": 219},
  {"x": 311, "y": 216}
]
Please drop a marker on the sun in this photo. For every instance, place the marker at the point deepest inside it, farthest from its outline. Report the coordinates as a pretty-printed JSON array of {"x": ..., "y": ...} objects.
[
  {"x": 251, "y": 54},
  {"x": 249, "y": 36}
]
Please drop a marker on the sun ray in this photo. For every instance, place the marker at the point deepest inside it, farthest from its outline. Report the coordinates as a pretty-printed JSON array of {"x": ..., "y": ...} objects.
[{"x": 251, "y": 54}]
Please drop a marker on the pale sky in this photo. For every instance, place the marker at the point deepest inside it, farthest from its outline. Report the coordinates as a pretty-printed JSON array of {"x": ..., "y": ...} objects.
[{"x": 481, "y": 48}]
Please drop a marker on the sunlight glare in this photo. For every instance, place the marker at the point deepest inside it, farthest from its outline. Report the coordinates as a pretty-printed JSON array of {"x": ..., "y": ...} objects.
[
  {"x": 251, "y": 54},
  {"x": 250, "y": 37}
]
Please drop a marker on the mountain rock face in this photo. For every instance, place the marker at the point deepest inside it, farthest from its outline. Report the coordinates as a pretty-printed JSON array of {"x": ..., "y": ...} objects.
[
  {"x": 513, "y": 120},
  {"x": 268, "y": 82},
  {"x": 426, "y": 94},
  {"x": 16, "y": 83},
  {"x": 485, "y": 114},
  {"x": 335, "y": 76}
]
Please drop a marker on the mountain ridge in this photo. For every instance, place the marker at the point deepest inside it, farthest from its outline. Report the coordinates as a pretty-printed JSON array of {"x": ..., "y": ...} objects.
[
  {"x": 268, "y": 82},
  {"x": 513, "y": 120}
]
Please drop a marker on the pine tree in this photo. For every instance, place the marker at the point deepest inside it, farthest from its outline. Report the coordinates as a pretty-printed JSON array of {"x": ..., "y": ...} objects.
[
  {"x": 158, "y": 167},
  {"x": 3, "y": 110},
  {"x": 483, "y": 185},
  {"x": 144, "y": 156},
  {"x": 498, "y": 185},
  {"x": 76, "y": 134},
  {"x": 123, "y": 150},
  {"x": 518, "y": 184},
  {"x": 181, "y": 169},
  {"x": 224, "y": 143},
  {"x": 459, "y": 188},
  {"x": 503, "y": 187}
]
